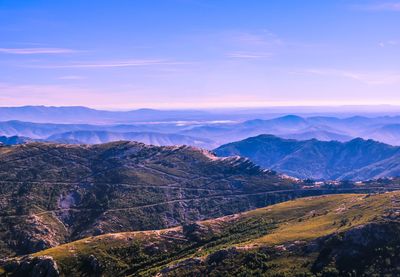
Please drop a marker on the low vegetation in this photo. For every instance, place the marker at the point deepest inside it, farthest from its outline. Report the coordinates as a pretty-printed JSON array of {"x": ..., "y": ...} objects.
[{"x": 304, "y": 237}]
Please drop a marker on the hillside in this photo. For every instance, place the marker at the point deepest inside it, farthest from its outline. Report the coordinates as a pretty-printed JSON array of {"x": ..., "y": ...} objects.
[
  {"x": 337, "y": 235},
  {"x": 357, "y": 159},
  {"x": 55, "y": 193}
]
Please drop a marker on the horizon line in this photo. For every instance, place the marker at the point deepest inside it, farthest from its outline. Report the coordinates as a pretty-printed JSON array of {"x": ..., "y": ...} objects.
[{"x": 310, "y": 106}]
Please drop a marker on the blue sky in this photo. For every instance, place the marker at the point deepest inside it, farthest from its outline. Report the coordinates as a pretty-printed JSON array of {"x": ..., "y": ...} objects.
[{"x": 124, "y": 54}]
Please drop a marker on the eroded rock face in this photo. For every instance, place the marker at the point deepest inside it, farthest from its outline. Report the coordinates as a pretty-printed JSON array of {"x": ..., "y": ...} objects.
[{"x": 43, "y": 266}]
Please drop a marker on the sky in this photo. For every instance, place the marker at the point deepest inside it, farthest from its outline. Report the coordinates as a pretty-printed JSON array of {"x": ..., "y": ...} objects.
[{"x": 125, "y": 54}]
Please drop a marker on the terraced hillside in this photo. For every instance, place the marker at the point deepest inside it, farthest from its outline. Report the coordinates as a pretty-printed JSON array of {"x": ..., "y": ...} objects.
[
  {"x": 54, "y": 193},
  {"x": 336, "y": 235}
]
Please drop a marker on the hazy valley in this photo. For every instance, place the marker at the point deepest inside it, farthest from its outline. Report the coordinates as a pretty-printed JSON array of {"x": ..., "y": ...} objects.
[{"x": 201, "y": 129}]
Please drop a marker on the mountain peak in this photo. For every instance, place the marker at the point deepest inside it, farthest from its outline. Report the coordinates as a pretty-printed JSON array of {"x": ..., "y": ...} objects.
[{"x": 291, "y": 118}]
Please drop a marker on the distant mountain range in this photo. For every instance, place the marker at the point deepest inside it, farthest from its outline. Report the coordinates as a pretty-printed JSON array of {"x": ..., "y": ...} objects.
[
  {"x": 79, "y": 114},
  {"x": 384, "y": 129},
  {"x": 44, "y": 130},
  {"x": 95, "y": 134},
  {"x": 197, "y": 128},
  {"x": 44, "y": 114},
  {"x": 357, "y": 159}
]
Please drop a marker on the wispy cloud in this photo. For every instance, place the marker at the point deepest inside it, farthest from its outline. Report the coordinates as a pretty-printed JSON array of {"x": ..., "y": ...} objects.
[
  {"x": 35, "y": 51},
  {"x": 369, "y": 78},
  {"x": 71, "y": 77},
  {"x": 110, "y": 64},
  {"x": 249, "y": 55},
  {"x": 382, "y": 6},
  {"x": 389, "y": 43}
]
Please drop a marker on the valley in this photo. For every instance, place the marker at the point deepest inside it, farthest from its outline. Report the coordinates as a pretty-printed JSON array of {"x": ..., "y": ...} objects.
[{"x": 200, "y": 129}]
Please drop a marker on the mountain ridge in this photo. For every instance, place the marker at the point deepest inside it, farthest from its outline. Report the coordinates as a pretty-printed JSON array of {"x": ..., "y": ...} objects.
[{"x": 318, "y": 159}]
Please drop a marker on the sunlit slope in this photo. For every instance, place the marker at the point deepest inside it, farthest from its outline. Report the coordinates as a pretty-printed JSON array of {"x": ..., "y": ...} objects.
[{"x": 279, "y": 239}]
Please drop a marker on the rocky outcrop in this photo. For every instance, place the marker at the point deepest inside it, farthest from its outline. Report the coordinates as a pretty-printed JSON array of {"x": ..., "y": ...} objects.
[
  {"x": 197, "y": 232},
  {"x": 43, "y": 266}
]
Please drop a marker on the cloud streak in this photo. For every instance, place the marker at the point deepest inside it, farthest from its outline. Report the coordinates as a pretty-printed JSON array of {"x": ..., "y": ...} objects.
[
  {"x": 249, "y": 55},
  {"x": 71, "y": 77},
  {"x": 111, "y": 64},
  {"x": 36, "y": 51}
]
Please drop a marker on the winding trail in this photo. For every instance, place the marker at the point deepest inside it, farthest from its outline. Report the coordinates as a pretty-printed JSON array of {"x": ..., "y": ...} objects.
[{"x": 235, "y": 195}]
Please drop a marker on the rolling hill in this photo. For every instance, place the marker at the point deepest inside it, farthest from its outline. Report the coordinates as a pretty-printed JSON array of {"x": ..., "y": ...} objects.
[
  {"x": 337, "y": 235},
  {"x": 357, "y": 159}
]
